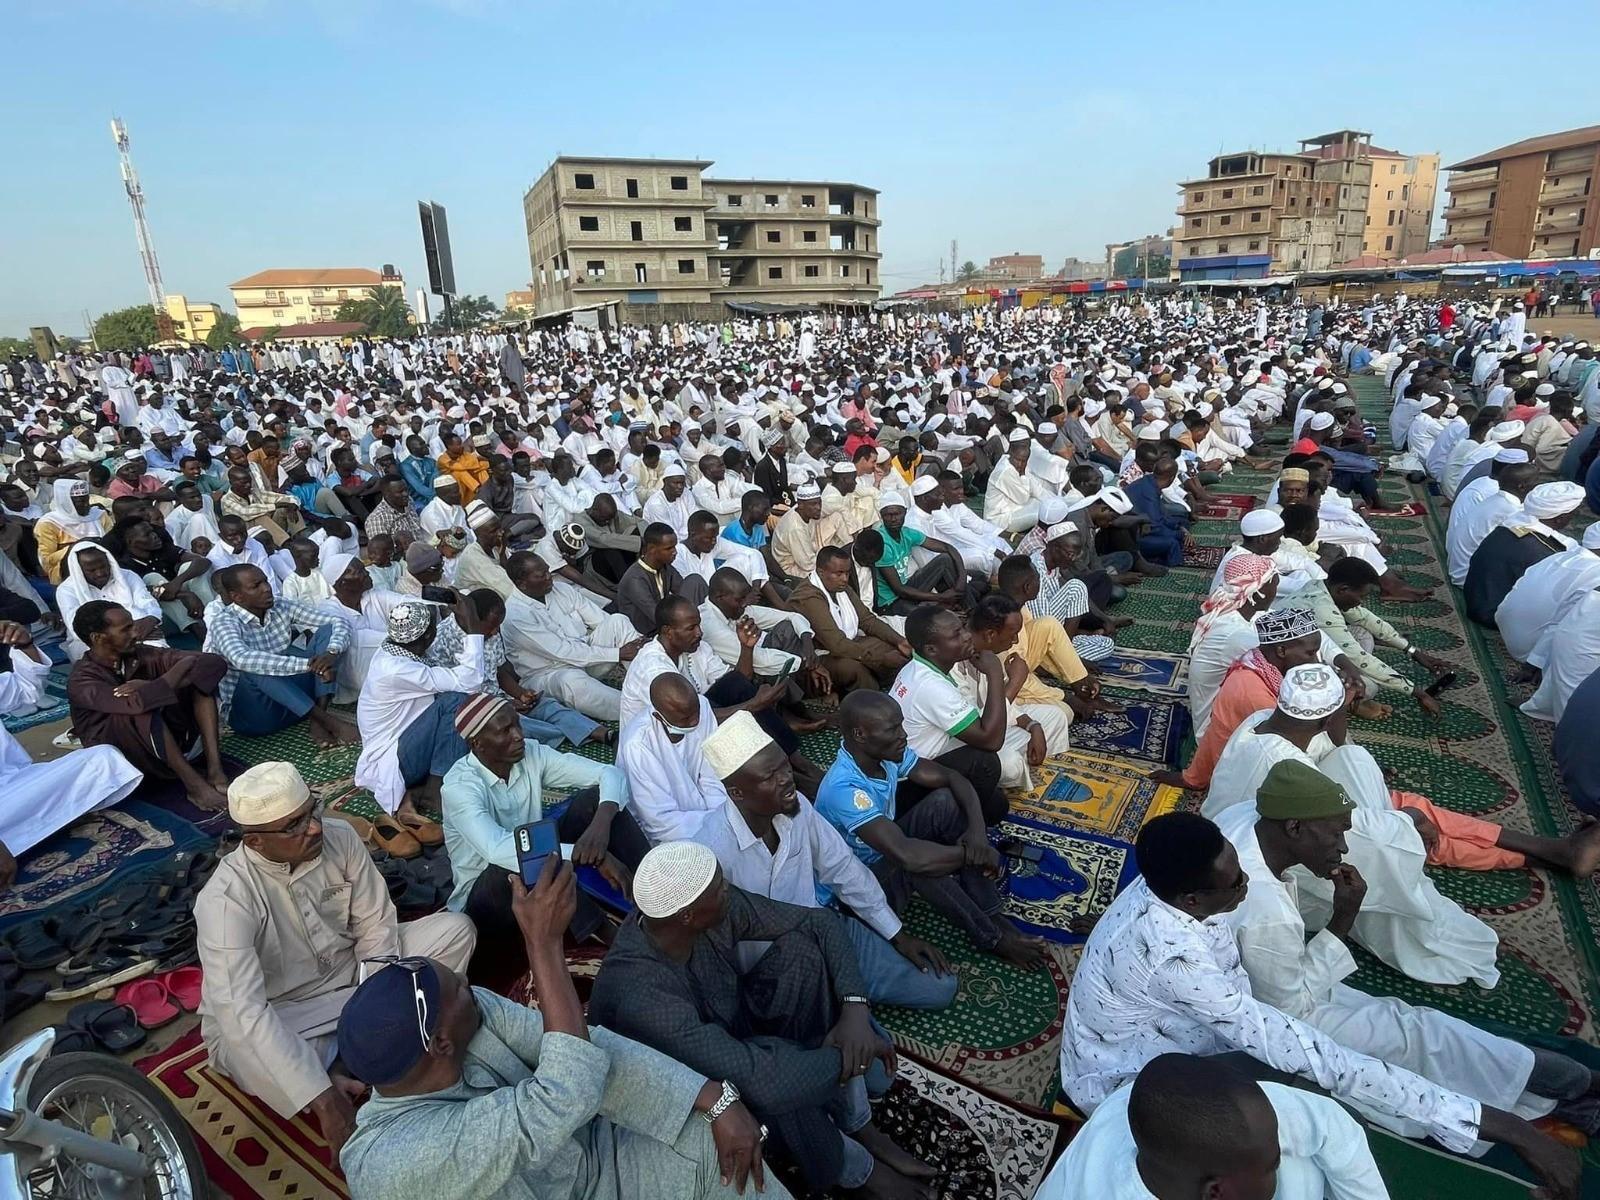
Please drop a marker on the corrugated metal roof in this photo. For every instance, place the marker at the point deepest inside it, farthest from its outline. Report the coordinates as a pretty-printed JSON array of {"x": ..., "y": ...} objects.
[{"x": 310, "y": 277}]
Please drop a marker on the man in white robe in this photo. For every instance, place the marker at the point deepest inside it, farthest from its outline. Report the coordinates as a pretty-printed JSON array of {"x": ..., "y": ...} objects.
[
  {"x": 1191, "y": 1121},
  {"x": 1405, "y": 921},
  {"x": 1293, "y": 830},
  {"x": 1529, "y": 618},
  {"x": 1483, "y": 505},
  {"x": 659, "y": 750}
]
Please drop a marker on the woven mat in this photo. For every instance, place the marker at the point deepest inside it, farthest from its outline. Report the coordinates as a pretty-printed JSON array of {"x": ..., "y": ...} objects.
[
  {"x": 1145, "y": 670},
  {"x": 1150, "y": 728},
  {"x": 1227, "y": 506}
]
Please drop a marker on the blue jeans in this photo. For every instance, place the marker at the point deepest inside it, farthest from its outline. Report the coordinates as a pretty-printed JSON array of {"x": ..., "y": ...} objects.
[
  {"x": 430, "y": 745},
  {"x": 550, "y": 722},
  {"x": 267, "y": 703},
  {"x": 891, "y": 977}
]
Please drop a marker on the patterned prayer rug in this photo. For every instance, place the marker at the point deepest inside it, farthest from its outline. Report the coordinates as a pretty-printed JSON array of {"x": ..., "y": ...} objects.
[
  {"x": 1097, "y": 794},
  {"x": 1145, "y": 670},
  {"x": 1226, "y": 506},
  {"x": 984, "y": 1146},
  {"x": 95, "y": 851},
  {"x": 1151, "y": 729},
  {"x": 1201, "y": 557},
  {"x": 52, "y": 705}
]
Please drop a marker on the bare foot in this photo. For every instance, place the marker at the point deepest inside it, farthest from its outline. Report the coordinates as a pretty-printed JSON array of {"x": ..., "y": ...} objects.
[
  {"x": 208, "y": 796},
  {"x": 603, "y": 735},
  {"x": 1020, "y": 950},
  {"x": 218, "y": 779},
  {"x": 1372, "y": 710},
  {"x": 885, "y": 1183},
  {"x": 1585, "y": 844},
  {"x": 1151, "y": 570},
  {"x": 882, "y": 1147},
  {"x": 328, "y": 730}
]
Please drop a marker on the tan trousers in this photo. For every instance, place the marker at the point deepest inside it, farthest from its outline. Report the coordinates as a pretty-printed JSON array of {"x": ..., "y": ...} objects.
[{"x": 1044, "y": 643}]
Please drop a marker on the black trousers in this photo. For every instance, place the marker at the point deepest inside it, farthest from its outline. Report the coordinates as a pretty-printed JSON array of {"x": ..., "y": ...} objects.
[
  {"x": 610, "y": 563},
  {"x": 980, "y": 768},
  {"x": 500, "y": 958},
  {"x": 733, "y": 688},
  {"x": 937, "y": 576}
]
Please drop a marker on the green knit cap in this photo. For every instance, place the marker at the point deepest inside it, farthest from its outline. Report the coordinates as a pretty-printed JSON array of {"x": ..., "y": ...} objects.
[{"x": 1294, "y": 791}]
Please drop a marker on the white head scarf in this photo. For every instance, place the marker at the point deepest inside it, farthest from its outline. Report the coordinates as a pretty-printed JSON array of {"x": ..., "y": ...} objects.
[{"x": 63, "y": 514}]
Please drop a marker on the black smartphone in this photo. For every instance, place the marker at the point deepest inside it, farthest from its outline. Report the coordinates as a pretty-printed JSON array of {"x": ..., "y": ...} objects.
[
  {"x": 1448, "y": 679},
  {"x": 438, "y": 595},
  {"x": 1016, "y": 848},
  {"x": 536, "y": 842}
]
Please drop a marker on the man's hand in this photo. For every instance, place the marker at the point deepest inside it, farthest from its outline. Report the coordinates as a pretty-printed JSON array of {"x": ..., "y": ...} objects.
[
  {"x": 903, "y": 648},
  {"x": 123, "y": 690},
  {"x": 336, "y": 1116},
  {"x": 1426, "y": 829},
  {"x": 749, "y": 633},
  {"x": 614, "y": 872},
  {"x": 817, "y": 681},
  {"x": 1349, "y": 890},
  {"x": 989, "y": 663},
  {"x": 766, "y": 696},
  {"x": 737, "y": 1136},
  {"x": 627, "y": 651},
  {"x": 858, "y": 1043},
  {"x": 466, "y": 613},
  {"x": 1428, "y": 704},
  {"x": 544, "y": 913},
  {"x": 1430, "y": 662},
  {"x": 590, "y": 848},
  {"x": 145, "y": 627},
  {"x": 1036, "y": 746},
  {"x": 977, "y": 852},
  {"x": 1559, "y": 1169},
  {"x": 322, "y": 666},
  {"x": 13, "y": 633},
  {"x": 925, "y": 956}
]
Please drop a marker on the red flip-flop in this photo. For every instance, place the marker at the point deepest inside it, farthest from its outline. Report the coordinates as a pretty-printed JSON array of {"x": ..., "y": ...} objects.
[
  {"x": 151, "y": 1003},
  {"x": 183, "y": 985}
]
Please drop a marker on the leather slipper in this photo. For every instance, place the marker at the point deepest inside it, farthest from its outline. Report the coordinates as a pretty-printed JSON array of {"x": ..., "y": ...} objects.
[
  {"x": 390, "y": 836},
  {"x": 361, "y": 825},
  {"x": 152, "y": 1005},
  {"x": 112, "y": 1025},
  {"x": 35, "y": 947},
  {"x": 426, "y": 831}
]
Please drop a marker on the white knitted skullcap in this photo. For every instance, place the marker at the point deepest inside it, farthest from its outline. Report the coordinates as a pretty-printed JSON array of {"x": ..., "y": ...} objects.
[
  {"x": 673, "y": 876},
  {"x": 267, "y": 792},
  {"x": 736, "y": 741}
]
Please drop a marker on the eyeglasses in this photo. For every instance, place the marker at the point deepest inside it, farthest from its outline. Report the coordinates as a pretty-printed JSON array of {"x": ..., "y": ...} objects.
[
  {"x": 301, "y": 823},
  {"x": 413, "y": 967}
]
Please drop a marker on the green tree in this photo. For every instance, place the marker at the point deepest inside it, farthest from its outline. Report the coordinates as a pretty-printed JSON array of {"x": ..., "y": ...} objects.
[
  {"x": 469, "y": 312},
  {"x": 127, "y": 328},
  {"x": 9, "y": 346},
  {"x": 224, "y": 331},
  {"x": 968, "y": 270},
  {"x": 382, "y": 310}
]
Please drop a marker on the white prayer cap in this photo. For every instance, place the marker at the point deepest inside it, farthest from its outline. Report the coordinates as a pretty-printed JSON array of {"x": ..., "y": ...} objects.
[
  {"x": 1591, "y": 537},
  {"x": 1552, "y": 499},
  {"x": 1017, "y": 435},
  {"x": 440, "y": 481},
  {"x": 1151, "y": 433},
  {"x": 267, "y": 792},
  {"x": 1310, "y": 692},
  {"x": 132, "y": 454},
  {"x": 1048, "y": 427},
  {"x": 891, "y": 499},
  {"x": 1260, "y": 522},
  {"x": 479, "y": 514},
  {"x": 334, "y": 565},
  {"x": 736, "y": 741},
  {"x": 924, "y": 484},
  {"x": 1116, "y": 498},
  {"x": 1545, "y": 389},
  {"x": 1059, "y": 530},
  {"x": 1092, "y": 408},
  {"x": 808, "y": 491},
  {"x": 1507, "y": 431},
  {"x": 843, "y": 468},
  {"x": 1204, "y": 409},
  {"x": 1511, "y": 454},
  {"x": 883, "y": 454},
  {"x": 1052, "y": 509},
  {"x": 1320, "y": 420},
  {"x": 674, "y": 874},
  {"x": 935, "y": 423},
  {"x": 674, "y": 470}
]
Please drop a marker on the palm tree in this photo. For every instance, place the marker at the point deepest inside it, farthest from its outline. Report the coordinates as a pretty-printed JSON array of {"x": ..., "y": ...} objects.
[{"x": 385, "y": 312}]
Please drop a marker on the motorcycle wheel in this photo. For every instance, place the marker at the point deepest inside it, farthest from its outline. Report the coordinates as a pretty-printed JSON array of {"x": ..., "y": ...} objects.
[{"x": 109, "y": 1099}]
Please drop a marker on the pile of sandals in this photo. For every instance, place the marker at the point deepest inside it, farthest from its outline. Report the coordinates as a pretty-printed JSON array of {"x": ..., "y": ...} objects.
[{"x": 143, "y": 927}]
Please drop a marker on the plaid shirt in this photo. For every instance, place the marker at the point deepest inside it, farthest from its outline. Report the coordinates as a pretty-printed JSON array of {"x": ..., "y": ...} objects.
[
  {"x": 386, "y": 518},
  {"x": 257, "y": 647}
]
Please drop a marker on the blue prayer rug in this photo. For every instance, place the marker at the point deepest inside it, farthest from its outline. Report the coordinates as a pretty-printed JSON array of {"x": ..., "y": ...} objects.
[
  {"x": 1147, "y": 670},
  {"x": 1151, "y": 729}
]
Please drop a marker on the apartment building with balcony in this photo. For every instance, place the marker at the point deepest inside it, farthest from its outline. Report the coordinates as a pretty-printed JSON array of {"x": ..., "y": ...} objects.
[
  {"x": 304, "y": 296},
  {"x": 1531, "y": 199},
  {"x": 658, "y": 232},
  {"x": 1257, "y": 213}
]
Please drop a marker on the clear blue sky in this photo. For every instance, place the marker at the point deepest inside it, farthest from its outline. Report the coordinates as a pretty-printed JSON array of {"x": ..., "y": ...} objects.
[{"x": 272, "y": 133}]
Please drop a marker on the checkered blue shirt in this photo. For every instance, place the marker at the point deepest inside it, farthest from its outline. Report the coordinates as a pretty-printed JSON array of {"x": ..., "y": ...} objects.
[{"x": 258, "y": 646}]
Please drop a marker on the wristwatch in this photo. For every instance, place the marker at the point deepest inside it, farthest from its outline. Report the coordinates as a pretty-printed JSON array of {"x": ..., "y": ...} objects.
[
  {"x": 857, "y": 1000},
  {"x": 729, "y": 1097}
]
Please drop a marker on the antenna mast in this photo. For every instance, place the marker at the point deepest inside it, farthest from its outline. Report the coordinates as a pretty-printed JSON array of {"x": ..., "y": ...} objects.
[{"x": 130, "y": 182}]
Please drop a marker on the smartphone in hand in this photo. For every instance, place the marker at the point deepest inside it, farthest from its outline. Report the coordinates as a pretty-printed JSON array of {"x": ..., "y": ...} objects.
[{"x": 535, "y": 842}]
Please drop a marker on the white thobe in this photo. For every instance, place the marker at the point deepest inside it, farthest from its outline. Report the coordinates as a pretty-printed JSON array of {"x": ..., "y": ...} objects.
[
  {"x": 1404, "y": 921},
  {"x": 1324, "y": 1153},
  {"x": 1527, "y": 617},
  {"x": 42, "y": 798},
  {"x": 722, "y": 635},
  {"x": 701, "y": 667},
  {"x": 1304, "y": 978},
  {"x": 978, "y": 541},
  {"x": 437, "y": 517},
  {"x": 1012, "y": 500},
  {"x": 1055, "y": 719},
  {"x": 396, "y": 692},
  {"x": 1479, "y": 509},
  {"x": 559, "y": 644},
  {"x": 1578, "y": 657},
  {"x": 672, "y": 785},
  {"x": 675, "y": 513}
]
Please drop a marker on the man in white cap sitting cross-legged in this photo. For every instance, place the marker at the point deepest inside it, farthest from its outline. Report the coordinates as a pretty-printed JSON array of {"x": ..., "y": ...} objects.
[{"x": 282, "y": 928}]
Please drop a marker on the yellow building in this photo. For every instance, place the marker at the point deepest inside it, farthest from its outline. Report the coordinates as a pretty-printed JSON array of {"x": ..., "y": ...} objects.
[
  {"x": 301, "y": 296},
  {"x": 192, "y": 322},
  {"x": 1400, "y": 204}
]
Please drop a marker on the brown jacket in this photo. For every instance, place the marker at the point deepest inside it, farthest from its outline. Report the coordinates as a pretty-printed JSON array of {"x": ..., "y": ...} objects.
[{"x": 863, "y": 648}]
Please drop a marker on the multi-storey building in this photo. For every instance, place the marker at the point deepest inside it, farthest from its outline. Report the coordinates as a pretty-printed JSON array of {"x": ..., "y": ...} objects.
[
  {"x": 192, "y": 320},
  {"x": 301, "y": 296},
  {"x": 1257, "y": 213},
  {"x": 657, "y": 232},
  {"x": 1405, "y": 190},
  {"x": 1531, "y": 199}
]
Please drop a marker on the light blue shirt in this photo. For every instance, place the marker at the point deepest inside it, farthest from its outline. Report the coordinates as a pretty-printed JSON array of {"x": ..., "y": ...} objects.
[{"x": 482, "y": 811}]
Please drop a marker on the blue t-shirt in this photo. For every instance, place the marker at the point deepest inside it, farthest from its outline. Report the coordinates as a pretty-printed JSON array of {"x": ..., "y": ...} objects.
[
  {"x": 755, "y": 539},
  {"x": 849, "y": 799}
]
